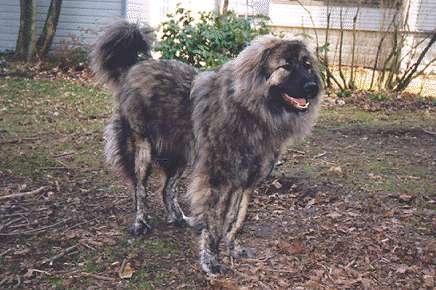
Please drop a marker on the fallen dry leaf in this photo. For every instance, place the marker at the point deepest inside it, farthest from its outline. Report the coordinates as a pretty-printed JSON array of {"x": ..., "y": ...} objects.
[
  {"x": 310, "y": 203},
  {"x": 334, "y": 215},
  {"x": 127, "y": 273},
  {"x": 335, "y": 170},
  {"x": 405, "y": 197},
  {"x": 277, "y": 184},
  {"x": 29, "y": 273},
  {"x": 285, "y": 247}
]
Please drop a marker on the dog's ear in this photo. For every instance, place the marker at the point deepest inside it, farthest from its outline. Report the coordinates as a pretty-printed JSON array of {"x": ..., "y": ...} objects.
[{"x": 264, "y": 66}]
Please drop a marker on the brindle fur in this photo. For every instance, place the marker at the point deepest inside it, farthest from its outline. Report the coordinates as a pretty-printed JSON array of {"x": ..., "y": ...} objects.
[{"x": 227, "y": 124}]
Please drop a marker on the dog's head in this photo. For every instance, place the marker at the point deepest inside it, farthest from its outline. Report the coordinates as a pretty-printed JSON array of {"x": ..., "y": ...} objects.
[{"x": 292, "y": 75}]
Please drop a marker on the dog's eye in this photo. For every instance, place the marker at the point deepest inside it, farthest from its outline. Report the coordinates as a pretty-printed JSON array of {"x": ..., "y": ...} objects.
[
  {"x": 306, "y": 62},
  {"x": 286, "y": 66}
]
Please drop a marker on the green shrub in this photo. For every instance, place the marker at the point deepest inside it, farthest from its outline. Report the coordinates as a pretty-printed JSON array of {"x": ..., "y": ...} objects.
[
  {"x": 347, "y": 94},
  {"x": 211, "y": 41}
]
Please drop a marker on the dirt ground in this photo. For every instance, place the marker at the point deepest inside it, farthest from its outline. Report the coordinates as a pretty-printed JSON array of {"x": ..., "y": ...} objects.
[{"x": 351, "y": 207}]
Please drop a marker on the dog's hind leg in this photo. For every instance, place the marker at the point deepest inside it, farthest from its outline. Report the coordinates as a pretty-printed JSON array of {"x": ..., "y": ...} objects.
[
  {"x": 169, "y": 196},
  {"x": 233, "y": 224},
  {"x": 142, "y": 172}
]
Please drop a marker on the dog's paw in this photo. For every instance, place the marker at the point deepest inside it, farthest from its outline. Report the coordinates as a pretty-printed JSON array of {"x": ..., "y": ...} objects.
[
  {"x": 209, "y": 263},
  {"x": 182, "y": 222},
  {"x": 244, "y": 253},
  {"x": 212, "y": 268},
  {"x": 139, "y": 227}
]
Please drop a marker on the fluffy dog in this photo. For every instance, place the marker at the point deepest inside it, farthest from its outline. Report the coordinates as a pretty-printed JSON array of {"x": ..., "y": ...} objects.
[{"x": 229, "y": 124}]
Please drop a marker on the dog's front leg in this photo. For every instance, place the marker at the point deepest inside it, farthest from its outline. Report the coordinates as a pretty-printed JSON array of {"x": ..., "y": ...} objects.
[
  {"x": 207, "y": 206},
  {"x": 233, "y": 224},
  {"x": 209, "y": 249}
]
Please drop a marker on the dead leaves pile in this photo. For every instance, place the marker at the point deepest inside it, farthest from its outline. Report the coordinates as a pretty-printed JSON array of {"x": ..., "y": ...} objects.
[
  {"x": 389, "y": 102},
  {"x": 45, "y": 70}
]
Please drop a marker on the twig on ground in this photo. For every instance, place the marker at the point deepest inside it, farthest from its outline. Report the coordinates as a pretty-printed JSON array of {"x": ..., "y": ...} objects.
[
  {"x": 9, "y": 223},
  {"x": 6, "y": 279},
  {"x": 19, "y": 140},
  {"x": 28, "y": 223},
  {"x": 122, "y": 266},
  {"x": 239, "y": 273},
  {"x": 14, "y": 214},
  {"x": 427, "y": 131},
  {"x": 23, "y": 193},
  {"x": 61, "y": 254},
  {"x": 41, "y": 271},
  {"x": 263, "y": 285},
  {"x": 56, "y": 168},
  {"x": 297, "y": 151},
  {"x": 279, "y": 271},
  {"x": 320, "y": 155},
  {"x": 76, "y": 225},
  {"x": 5, "y": 252},
  {"x": 36, "y": 230},
  {"x": 72, "y": 154},
  {"x": 87, "y": 246},
  {"x": 98, "y": 276},
  {"x": 63, "y": 164}
]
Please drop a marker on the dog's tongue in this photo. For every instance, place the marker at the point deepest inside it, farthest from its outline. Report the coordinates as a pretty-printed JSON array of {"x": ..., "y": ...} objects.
[
  {"x": 301, "y": 102},
  {"x": 298, "y": 103}
]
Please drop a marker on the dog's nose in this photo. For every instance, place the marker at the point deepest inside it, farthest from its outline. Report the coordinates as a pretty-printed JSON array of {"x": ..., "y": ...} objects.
[{"x": 310, "y": 87}]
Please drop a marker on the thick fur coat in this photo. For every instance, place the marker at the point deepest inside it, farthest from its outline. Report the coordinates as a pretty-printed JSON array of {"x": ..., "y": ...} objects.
[{"x": 227, "y": 124}]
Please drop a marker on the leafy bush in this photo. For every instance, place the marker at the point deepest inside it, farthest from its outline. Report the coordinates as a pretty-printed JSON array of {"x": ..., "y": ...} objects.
[
  {"x": 211, "y": 41},
  {"x": 73, "y": 52}
]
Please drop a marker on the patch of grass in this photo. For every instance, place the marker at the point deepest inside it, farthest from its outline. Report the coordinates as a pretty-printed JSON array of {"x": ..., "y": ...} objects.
[
  {"x": 141, "y": 280},
  {"x": 377, "y": 153},
  {"x": 57, "y": 112},
  {"x": 379, "y": 96}
]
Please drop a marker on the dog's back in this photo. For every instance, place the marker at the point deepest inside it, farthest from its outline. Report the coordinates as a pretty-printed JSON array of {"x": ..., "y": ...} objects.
[
  {"x": 151, "y": 97},
  {"x": 152, "y": 117}
]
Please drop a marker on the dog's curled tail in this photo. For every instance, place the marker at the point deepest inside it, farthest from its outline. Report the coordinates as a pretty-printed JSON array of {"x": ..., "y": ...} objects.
[{"x": 116, "y": 50}]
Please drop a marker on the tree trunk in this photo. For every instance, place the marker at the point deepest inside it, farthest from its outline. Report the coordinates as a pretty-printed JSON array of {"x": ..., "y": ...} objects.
[
  {"x": 46, "y": 38},
  {"x": 26, "y": 43},
  {"x": 225, "y": 7}
]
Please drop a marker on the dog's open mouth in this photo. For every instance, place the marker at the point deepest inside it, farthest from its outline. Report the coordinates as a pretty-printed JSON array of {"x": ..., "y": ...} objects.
[{"x": 298, "y": 104}]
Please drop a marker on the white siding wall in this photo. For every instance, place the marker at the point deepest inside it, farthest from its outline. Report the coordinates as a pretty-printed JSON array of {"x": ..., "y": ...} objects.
[
  {"x": 426, "y": 16},
  {"x": 152, "y": 12},
  {"x": 254, "y": 7},
  {"x": 369, "y": 19},
  {"x": 80, "y": 18},
  {"x": 9, "y": 24},
  {"x": 371, "y": 24}
]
